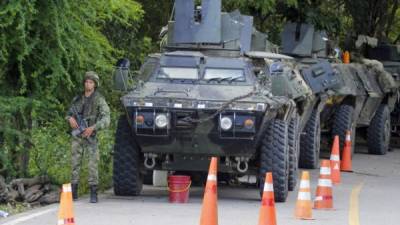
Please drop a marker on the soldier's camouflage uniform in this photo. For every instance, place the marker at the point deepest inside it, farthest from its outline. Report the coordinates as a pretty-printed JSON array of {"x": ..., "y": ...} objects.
[{"x": 96, "y": 112}]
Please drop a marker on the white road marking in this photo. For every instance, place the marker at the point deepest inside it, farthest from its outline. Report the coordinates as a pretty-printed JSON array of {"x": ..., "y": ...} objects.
[{"x": 31, "y": 216}]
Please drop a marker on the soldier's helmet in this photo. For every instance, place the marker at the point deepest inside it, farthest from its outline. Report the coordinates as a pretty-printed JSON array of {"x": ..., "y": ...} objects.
[{"x": 90, "y": 75}]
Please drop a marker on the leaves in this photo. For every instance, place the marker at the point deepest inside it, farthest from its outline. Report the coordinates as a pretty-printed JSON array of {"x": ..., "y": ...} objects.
[{"x": 45, "y": 48}]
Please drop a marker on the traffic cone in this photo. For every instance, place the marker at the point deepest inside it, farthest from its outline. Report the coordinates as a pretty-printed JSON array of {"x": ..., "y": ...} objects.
[
  {"x": 335, "y": 161},
  {"x": 209, "y": 212},
  {"x": 346, "y": 157},
  {"x": 66, "y": 211},
  {"x": 304, "y": 204},
  {"x": 267, "y": 210},
  {"x": 346, "y": 57},
  {"x": 324, "y": 199}
]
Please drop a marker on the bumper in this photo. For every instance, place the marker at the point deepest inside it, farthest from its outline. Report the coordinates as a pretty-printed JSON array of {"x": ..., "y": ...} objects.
[{"x": 184, "y": 136}]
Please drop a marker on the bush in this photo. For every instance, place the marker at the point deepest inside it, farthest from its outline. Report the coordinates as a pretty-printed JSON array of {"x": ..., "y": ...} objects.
[
  {"x": 45, "y": 48},
  {"x": 51, "y": 154}
]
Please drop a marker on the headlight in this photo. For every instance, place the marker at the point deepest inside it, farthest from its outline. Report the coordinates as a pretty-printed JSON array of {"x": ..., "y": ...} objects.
[
  {"x": 140, "y": 120},
  {"x": 249, "y": 124},
  {"x": 161, "y": 120},
  {"x": 226, "y": 123}
]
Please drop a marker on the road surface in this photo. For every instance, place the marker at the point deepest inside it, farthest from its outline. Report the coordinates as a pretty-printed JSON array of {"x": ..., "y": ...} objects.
[{"x": 369, "y": 196}]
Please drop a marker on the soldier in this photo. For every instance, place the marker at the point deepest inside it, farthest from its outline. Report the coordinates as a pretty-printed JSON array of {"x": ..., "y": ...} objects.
[{"x": 92, "y": 108}]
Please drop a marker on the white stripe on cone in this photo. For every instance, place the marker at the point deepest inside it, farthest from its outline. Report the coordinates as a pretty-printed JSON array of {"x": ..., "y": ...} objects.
[
  {"x": 348, "y": 138},
  {"x": 318, "y": 198},
  {"x": 305, "y": 184},
  {"x": 67, "y": 188},
  {"x": 268, "y": 187},
  {"x": 325, "y": 171},
  {"x": 335, "y": 158},
  {"x": 325, "y": 182},
  {"x": 304, "y": 196},
  {"x": 212, "y": 177}
]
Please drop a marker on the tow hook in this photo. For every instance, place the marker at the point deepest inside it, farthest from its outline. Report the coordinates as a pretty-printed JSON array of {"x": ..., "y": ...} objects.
[
  {"x": 150, "y": 161},
  {"x": 242, "y": 164}
]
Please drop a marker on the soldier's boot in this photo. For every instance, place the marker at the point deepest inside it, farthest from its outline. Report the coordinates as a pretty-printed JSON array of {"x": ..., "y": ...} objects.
[
  {"x": 93, "y": 194},
  {"x": 75, "y": 191}
]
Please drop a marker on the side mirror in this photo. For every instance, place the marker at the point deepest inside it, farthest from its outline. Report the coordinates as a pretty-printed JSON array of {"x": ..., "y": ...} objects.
[{"x": 122, "y": 79}]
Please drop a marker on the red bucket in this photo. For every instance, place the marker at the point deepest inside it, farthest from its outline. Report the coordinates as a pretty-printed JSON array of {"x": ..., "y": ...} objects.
[{"x": 178, "y": 187}]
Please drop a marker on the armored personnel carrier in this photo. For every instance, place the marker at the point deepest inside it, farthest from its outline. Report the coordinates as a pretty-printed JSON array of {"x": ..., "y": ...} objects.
[
  {"x": 309, "y": 87},
  {"x": 201, "y": 97},
  {"x": 364, "y": 97},
  {"x": 389, "y": 56},
  {"x": 310, "y": 94}
]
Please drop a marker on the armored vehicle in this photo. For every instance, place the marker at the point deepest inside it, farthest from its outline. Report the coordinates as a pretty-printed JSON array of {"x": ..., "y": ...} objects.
[
  {"x": 309, "y": 90},
  {"x": 389, "y": 56},
  {"x": 363, "y": 99},
  {"x": 199, "y": 98},
  {"x": 309, "y": 87}
]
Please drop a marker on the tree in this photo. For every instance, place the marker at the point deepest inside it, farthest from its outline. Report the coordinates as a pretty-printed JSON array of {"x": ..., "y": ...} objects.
[
  {"x": 268, "y": 16},
  {"x": 375, "y": 18},
  {"x": 45, "y": 46},
  {"x": 157, "y": 15}
]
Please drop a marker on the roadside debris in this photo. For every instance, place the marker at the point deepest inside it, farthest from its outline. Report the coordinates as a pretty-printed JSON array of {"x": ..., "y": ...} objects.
[{"x": 34, "y": 191}]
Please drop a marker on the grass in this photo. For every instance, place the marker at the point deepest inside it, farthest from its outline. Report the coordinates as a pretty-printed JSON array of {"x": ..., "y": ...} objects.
[{"x": 13, "y": 209}]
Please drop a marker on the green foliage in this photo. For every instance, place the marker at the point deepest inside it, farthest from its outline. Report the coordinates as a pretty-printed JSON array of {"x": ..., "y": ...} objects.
[
  {"x": 268, "y": 14},
  {"x": 13, "y": 209},
  {"x": 45, "y": 47},
  {"x": 394, "y": 33},
  {"x": 51, "y": 153},
  {"x": 157, "y": 15},
  {"x": 14, "y": 131},
  {"x": 375, "y": 18}
]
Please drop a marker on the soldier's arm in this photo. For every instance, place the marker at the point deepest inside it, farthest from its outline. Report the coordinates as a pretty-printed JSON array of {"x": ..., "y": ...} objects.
[{"x": 104, "y": 115}]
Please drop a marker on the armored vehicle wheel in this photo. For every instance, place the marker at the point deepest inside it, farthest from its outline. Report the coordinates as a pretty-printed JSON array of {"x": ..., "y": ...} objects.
[
  {"x": 310, "y": 143},
  {"x": 343, "y": 121},
  {"x": 126, "y": 174},
  {"x": 274, "y": 158},
  {"x": 378, "y": 135},
  {"x": 294, "y": 151}
]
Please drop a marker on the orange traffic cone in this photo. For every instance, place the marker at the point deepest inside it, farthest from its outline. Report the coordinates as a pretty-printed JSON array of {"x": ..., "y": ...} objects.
[
  {"x": 304, "y": 204},
  {"x": 324, "y": 199},
  {"x": 66, "y": 211},
  {"x": 335, "y": 161},
  {"x": 346, "y": 160},
  {"x": 209, "y": 212},
  {"x": 346, "y": 57},
  {"x": 267, "y": 210}
]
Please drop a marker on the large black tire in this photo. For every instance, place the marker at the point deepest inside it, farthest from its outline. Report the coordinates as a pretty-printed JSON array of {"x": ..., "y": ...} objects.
[
  {"x": 310, "y": 143},
  {"x": 342, "y": 122},
  {"x": 274, "y": 158},
  {"x": 379, "y": 133},
  {"x": 294, "y": 151},
  {"x": 128, "y": 180}
]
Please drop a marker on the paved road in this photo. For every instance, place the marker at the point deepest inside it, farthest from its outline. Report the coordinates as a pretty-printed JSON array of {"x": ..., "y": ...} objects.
[{"x": 376, "y": 179}]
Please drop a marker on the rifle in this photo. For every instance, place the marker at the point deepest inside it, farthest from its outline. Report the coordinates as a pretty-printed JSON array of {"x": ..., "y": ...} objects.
[{"x": 82, "y": 124}]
